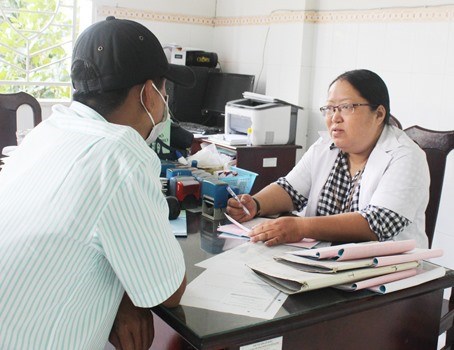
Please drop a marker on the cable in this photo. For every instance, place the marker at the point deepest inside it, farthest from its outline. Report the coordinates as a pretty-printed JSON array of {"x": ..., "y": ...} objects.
[
  {"x": 263, "y": 59},
  {"x": 266, "y": 41}
]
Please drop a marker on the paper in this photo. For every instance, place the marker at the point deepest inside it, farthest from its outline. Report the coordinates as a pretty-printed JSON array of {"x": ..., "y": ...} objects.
[
  {"x": 228, "y": 285},
  {"x": 323, "y": 266},
  {"x": 229, "y": 139},
  {"x": 307, "y": 243},
  {"x": 372, "y": 282},
  {"x": 352, "y": 251},
  {"x": 244, "y": 295},
  {"x": 236, "y": 259},
  {"x": 269, "y": 344},
  {"x": 237, "y": 224},
  {"x": 320, "y": 253},
  {"x": 241, "y": 231},
  {"x": 427, "y": 272},
  {"x": 226, "y": 235},
  {"x": 291, "y": 281},
  {"x": 333, "y": 266},
  {"x": 367, "y": 249},
  {"x": 259, "y": 97},
  {"x": 415, "y": 254}
]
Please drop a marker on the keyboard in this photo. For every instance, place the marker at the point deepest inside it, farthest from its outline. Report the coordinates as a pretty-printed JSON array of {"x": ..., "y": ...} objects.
[{"x": 201, "y": 129}]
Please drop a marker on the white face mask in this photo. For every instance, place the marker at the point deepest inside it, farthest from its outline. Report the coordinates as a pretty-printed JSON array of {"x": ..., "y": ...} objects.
[{"x": 157, "y": 128}]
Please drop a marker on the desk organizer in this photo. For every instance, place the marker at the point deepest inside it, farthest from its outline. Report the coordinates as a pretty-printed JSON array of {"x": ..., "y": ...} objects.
[{"x": 243, "y": 181}]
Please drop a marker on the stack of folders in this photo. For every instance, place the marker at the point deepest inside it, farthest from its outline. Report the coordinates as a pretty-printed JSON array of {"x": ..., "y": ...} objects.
[{"x": 382, "y": 267}]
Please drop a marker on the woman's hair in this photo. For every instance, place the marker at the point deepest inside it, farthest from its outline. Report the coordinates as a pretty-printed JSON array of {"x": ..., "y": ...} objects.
[
  {"x": 370, "y": 86},
  {"x": 103, "y": 102}
]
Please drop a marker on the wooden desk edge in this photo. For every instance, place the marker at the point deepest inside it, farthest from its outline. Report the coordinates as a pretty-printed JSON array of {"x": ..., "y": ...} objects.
[{"x": 336, "y": 311}]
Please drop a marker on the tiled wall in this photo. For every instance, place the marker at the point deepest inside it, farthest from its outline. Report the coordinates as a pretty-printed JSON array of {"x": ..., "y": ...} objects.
[
  {"x": 411, "y": 48},
  {"x": 295, "y": 50}
]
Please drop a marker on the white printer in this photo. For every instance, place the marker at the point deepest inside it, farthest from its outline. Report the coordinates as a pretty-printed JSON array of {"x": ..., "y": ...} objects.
[{"x": 273, "y": 121}]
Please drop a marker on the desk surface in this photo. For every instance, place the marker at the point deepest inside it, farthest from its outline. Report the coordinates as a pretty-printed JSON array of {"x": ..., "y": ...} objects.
[{"x": 206, "y": 329}]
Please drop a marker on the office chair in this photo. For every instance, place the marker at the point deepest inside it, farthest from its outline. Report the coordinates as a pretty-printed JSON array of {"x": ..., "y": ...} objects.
[
  {"x": 436, "y": 145},
  {"x": 9, "y": 104}
]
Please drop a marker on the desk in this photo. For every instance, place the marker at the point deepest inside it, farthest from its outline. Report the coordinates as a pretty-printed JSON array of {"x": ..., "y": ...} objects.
[
  {"x": 321, "y": 319},
  {"x": 269, "y": 161}
]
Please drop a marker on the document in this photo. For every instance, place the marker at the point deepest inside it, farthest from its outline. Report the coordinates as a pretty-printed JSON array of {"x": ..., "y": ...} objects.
[
  {"x": 290, "y": 280},
  {"x": 228, "y": 285},
  {"x": 322, "y": 266},
  {"x": 241, "y": 230},
  {"x": 427, "y": 272},
  {"x": 235, "y": 259},
  {"x": 333, "y": 266},
  {"x": 229, "y": 139},
  {"x": 376, "y": 281},
  {"x": 245, "y": 295},
  {"x": 351, "y": 251},
  {"x": 399, "y": 280}
]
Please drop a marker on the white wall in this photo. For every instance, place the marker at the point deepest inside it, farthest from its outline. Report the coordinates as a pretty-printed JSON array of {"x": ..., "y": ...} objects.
[{"x": 166, "y": 19}]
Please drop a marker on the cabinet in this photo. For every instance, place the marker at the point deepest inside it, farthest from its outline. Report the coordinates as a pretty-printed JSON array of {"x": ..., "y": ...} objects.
[{"x": 269, "y": 162}]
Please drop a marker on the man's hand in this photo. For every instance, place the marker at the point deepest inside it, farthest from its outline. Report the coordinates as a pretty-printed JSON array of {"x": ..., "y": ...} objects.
[{"x": 133, "y": 327}]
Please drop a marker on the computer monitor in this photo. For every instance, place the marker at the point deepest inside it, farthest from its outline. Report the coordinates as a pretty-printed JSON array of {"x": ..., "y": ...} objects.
[
  {"x": 186, "y": 103},
  {"x": 221, "y": 88}
]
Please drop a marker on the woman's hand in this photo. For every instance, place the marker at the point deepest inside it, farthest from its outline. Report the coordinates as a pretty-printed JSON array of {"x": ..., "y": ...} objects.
[
  {"x": 278, "y": 231},
  {"x": 235, "y": 209}
]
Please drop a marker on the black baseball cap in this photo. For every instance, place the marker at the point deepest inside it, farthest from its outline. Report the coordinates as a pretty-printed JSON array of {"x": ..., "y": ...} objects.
[{"x": 122, "y": 54}]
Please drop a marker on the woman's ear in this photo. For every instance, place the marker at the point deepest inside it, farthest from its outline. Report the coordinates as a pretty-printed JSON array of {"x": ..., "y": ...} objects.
[{"x": 381, "y": 113}]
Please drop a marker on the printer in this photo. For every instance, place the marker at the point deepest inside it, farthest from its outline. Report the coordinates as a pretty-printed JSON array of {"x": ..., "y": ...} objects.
[{"x": 272, "y": 121}]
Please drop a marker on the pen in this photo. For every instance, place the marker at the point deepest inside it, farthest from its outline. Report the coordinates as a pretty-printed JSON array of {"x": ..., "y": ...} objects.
[{"x": 233, "y": 194}]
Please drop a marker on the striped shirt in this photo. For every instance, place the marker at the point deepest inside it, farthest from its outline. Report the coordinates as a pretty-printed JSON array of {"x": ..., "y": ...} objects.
[{"x": 82, "y": 219}]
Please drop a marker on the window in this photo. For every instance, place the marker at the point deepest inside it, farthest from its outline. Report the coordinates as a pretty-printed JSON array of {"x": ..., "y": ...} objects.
[{"x": 36, "y": 41}]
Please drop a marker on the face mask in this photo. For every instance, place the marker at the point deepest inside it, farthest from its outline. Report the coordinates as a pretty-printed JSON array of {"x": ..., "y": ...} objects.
[{"x": 157, "y": 128}]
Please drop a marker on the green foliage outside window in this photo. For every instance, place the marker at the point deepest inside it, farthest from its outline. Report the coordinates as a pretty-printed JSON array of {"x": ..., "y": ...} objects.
[{"x": 35, "y": 47}]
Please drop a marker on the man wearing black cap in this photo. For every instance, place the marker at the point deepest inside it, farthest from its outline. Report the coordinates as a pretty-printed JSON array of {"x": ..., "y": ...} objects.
[{"x": 84, "y": 229}]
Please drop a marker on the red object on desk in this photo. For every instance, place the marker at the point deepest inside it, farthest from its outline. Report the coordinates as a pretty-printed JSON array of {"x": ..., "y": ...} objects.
[{"x": 187, "y": 187}]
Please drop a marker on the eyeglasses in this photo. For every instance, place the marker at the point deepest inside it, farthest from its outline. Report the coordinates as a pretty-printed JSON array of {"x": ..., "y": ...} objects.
[{"x": 344, "y": 109}]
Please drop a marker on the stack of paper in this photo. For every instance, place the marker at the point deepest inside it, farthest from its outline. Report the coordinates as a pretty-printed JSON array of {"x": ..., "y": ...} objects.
[
  {"x": 379, "y": 266},
  {"x": 229, "y": 139},
  {"x": 228, "y": 285},
  {"x": 240, "y": 231}
]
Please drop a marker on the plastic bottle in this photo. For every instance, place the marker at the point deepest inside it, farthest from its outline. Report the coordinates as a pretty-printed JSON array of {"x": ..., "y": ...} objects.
[{"x": 181, "y": 159}]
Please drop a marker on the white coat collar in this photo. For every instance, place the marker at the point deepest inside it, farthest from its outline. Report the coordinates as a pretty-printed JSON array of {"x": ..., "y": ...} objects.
[{"x": 378, "y": 162}]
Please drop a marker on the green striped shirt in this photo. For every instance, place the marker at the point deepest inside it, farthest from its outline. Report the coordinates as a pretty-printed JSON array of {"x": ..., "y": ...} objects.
[{"x": 82, "y": 218}]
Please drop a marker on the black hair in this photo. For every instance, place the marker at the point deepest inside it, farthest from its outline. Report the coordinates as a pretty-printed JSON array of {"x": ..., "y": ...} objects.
[
  {"x": 370, "y": 86},
  {"x": 103, "y": 102}
]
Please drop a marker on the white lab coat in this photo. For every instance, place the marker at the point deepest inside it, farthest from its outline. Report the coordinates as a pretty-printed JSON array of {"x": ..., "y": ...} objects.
[{"x": 396, "y": 177}]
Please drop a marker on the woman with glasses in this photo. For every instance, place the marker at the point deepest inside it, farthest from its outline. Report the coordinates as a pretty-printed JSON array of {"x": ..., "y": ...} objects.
[{"x": 363, "y": 180}]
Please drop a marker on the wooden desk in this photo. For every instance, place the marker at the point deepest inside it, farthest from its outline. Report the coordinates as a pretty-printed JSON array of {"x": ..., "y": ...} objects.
[
  {"x": 321, "y": 319},
  {"x": 270, "y": 162}
]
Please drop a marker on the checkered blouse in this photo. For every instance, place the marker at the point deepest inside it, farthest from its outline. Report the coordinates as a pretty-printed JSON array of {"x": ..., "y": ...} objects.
[{"x": 341, "y": 195}]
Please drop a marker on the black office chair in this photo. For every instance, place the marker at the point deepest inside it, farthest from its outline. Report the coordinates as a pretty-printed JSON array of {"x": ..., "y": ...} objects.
[
  {"x": 9, "y": 104},
  {"x": 437, "y": 145}
]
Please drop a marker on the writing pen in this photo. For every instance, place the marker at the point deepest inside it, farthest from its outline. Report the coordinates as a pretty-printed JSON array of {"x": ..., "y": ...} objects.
[{"x": 233, "y": 194}]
